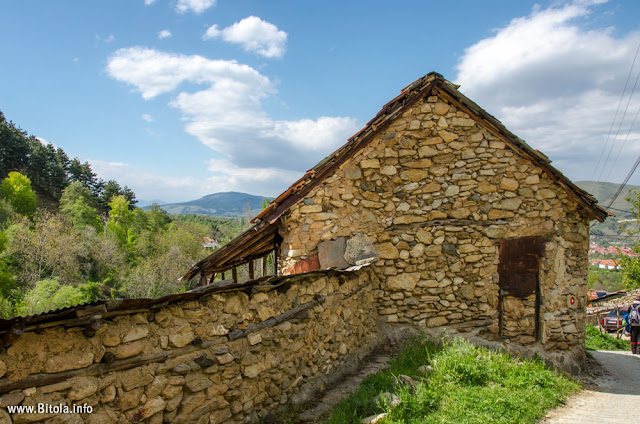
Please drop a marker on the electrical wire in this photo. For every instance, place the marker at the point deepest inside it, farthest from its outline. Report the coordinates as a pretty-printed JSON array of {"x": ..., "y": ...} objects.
[
  {"x": 616, "y": 114},
  {"x": 613, "y": 142}
]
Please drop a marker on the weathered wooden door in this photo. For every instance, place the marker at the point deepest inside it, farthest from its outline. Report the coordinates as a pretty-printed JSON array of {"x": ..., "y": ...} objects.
[{"x": 519, "y": 286}]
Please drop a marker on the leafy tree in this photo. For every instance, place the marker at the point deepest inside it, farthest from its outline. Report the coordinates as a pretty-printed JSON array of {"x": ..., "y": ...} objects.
[
  {"x": 631, "y": 266},
  {"x": 49, "y": 248},
  {"x": 16, "y": 189},
  {"x": 49, "y": 295},
  {"x": 77, "y": 204},
  {"x": 120, "y": 219},
  {"x": 14, "y": 148}
]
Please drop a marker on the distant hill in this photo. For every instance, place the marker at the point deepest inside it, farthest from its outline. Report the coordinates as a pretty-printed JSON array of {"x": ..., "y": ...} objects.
[
  {"x": 230, "y": 204},
  {"x": 610, "y": 229},
  {"x": 605, "y": 191},
  {"x": 144, "y": 203}
]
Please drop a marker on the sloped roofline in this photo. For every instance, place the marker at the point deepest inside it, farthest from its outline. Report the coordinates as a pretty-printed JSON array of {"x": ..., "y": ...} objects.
[{"x": 431, "y": 84}]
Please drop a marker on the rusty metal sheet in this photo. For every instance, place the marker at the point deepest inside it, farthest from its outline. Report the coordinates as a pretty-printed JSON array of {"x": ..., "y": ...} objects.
[
  {"x": 306, "y": 265},
  {"x": 518, "y": 267}
]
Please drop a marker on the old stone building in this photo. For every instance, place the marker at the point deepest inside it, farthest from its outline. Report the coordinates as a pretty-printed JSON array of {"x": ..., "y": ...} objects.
[
  {"x": 472, "y": 227},
  {"x": 434, "y": 217}
]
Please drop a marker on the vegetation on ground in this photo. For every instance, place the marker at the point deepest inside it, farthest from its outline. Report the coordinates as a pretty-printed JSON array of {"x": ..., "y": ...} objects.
[
  {"x": 595, "y": 340},
  {"x": 466, "y": 384}
]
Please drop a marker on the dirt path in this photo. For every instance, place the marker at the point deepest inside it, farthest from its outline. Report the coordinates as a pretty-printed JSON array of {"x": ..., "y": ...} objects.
[
  {"x": 613, "y": 396},
  {"x": 343, "y": 388}
]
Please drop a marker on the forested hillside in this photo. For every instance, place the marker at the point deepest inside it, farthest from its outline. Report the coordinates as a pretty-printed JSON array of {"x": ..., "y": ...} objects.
[{"x": 68, "y": 237}]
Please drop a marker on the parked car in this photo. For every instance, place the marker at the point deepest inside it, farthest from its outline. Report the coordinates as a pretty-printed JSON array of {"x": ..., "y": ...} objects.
[{"x": 611, "y": 322}]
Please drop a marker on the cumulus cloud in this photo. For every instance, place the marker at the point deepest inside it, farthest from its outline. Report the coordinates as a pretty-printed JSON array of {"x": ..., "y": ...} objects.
[
  {"x": 148, "y": 2},
  {"x": 165, "y": 33},
  {"x": 195, "y": 6},
  {"x": 254, "y": 35},
  {"x": 225, "y": 112},
  {"x": 556, "y": 84},
  {"x": 147, "y": 117}
]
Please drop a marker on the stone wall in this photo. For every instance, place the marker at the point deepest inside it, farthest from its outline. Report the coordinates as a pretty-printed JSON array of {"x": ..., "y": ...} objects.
[
  {"x": 224, "y": 357},
  {"x": 436, "y": 192}
]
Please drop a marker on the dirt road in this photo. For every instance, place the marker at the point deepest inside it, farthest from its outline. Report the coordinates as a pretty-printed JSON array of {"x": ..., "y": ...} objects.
[{"x": 614, "y": 396}]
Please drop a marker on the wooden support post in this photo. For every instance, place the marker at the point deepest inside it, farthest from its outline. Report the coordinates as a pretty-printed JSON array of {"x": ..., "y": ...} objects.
[
  {"x": 500, "y": 312},
  {"x": 203, "y": 279},
  {"x": 251, "y": 269},
  {"x": 234, "y": 273},
  {"x": 264, "y": 264},
  {"x": 276, "y": 253},
  {"x": 222, "y": 275},
  {"x": 213, "y": 278}
]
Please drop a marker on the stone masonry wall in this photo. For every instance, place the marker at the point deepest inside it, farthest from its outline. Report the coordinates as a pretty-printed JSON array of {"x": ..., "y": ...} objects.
[
  {"x": 436, "y": 192},
  {"x": 196, "y": 361}
]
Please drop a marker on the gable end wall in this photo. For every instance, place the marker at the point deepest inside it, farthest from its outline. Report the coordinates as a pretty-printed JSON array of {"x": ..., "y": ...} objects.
[{"x": 436, "y": 192}]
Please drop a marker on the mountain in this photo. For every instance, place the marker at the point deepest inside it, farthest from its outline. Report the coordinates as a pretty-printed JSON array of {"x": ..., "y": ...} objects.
[
  {"x": 604, "y": 192},
  {"x": 610, "y": 230},
  {"x": 230, "y": 204},
  {"x": 144, "y": 203}
]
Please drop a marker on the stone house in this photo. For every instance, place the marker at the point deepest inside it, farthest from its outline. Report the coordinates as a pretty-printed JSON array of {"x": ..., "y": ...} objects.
[{"x": 473, "y": 228}]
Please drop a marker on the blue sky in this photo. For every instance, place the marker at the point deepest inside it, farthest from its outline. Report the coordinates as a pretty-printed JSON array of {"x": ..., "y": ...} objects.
[{"x": 182, "y": 98}]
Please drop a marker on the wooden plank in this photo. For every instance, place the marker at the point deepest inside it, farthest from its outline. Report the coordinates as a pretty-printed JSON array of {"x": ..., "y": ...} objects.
[
  {"x": 275, "y": 320},
  {"x": 251, "y": 269},
  {"x": 234, "y": 273},
  {"x": 265, "y": 262}
]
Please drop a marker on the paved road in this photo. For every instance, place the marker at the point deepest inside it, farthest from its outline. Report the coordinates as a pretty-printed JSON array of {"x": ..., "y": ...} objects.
[{"x": 614, "y": 397}]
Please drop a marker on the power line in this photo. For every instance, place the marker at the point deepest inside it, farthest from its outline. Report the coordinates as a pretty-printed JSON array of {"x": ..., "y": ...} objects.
[
  {"x": 616, "y": 114},
  {"x": 628, "y": 132},
  {"x": 613, "y": 141}
]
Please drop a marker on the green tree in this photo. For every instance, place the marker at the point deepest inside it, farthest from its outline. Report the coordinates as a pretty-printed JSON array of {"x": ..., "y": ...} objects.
[
  {"x": 48, "y": 248},
  {"x": 77, "y": 204},
  {"x": 14, "y": 148},
  {"x": 16, "y": 189},
  {"x": 49, "y": 295},
  {"x": 120, "y": 219},
  {"x": 631, "y": 266}
]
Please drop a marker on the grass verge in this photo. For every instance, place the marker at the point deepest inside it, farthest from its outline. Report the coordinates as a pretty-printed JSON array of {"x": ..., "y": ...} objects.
[
  {"x": 594, "y": 340},
  {"x": 466, "y": 384}
]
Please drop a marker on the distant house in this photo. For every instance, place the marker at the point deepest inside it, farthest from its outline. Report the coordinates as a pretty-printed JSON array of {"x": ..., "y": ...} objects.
[
  {"x": 608, "y": 264},
  {"x": 210, "y": 243},
  {"x": 473, "y": 228}
]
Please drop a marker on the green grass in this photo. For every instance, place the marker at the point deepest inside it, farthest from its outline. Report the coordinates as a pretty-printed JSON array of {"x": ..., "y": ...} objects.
[
  {"x": 468, "y": 385},
  {"x": 594, "y": 340}
]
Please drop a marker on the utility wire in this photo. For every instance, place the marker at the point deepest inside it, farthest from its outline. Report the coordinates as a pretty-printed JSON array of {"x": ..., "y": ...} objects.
[
  {"x": 613, "y": 141},
  {"x": 616, "y": 114},
  {"x": 628, "y": 133}
]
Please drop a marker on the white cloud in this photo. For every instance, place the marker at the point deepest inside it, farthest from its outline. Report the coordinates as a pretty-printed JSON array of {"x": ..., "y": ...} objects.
[
  {"x": 225, "y": 112},
  {"x": 165, "y": 33},
  {"x": 556, "y": 84},
  {"x": 148, "y": 2},
  {"x": 108, "y": 39},
  {"x": 147, "y": 117},
  {"x": 254, "y": 35},
  {"x": 195, "y": 6}
]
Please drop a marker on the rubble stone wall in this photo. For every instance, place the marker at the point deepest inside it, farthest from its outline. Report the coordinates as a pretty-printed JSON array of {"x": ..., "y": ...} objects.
[
  {"x": 198, "y": 360},
  {"x": 435, "y": 192}
]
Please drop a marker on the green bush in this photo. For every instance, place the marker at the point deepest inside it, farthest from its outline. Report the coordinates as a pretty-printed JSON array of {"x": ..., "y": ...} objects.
[
  {"x": 594, "y": 340},
  {"x": 49, "y": 295}
]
